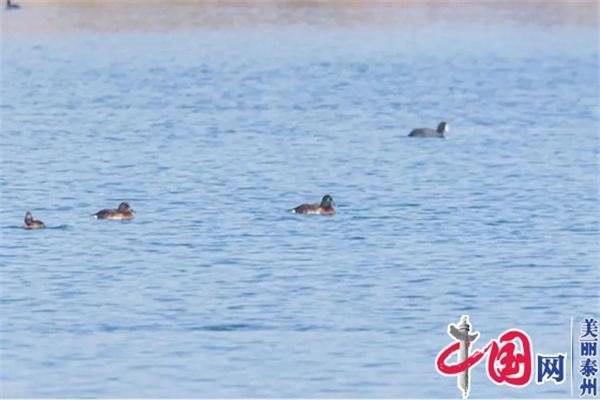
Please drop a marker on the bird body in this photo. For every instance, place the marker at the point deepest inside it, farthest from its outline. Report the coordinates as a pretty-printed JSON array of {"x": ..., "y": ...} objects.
[
  {"x": 326, "y": 207},
  {"x": 430, "y": 133},
  {"x": 31, "y": 223},
  {"x": 122, "y": 212}
]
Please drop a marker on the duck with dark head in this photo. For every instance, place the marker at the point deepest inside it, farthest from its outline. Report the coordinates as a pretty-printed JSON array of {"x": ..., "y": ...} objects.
[
  {"x": 442, "y": 128},
  {"x": 326, "y": 207},
  {"x": 122, "y": 212},
  {"x": 31, "y": 223},
  {"x": 11, "y": 6}
]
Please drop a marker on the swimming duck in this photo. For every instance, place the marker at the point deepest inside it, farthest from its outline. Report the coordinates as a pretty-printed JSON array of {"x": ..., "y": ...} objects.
[
  {"x": 31, "y": 223},
  {"x": 324, "y": 208},
  {"x": 122, "y": 212},
  {"x": 11, "y": 6},
  {"x": 430, "y": 133}
]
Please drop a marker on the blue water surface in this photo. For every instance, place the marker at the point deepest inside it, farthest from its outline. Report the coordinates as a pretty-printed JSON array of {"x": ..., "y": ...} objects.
[{"x": 211, "y": 132}]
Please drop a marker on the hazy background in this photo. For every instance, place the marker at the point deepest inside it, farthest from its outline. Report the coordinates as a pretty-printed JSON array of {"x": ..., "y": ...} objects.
[{"x": 214, "y": 118}]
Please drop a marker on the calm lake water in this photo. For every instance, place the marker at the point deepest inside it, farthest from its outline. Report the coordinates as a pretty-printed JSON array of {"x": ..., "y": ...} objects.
[{"x": 212, "y": 121}]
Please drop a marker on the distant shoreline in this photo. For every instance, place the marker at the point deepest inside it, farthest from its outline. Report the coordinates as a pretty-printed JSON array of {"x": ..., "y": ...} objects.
[
  {"x": 71, "y": 16},
  {"x": 460, "y": 3}
]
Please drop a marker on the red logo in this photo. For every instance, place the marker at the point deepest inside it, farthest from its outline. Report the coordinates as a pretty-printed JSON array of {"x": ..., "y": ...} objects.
[{"x": 509, "y": 362}]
